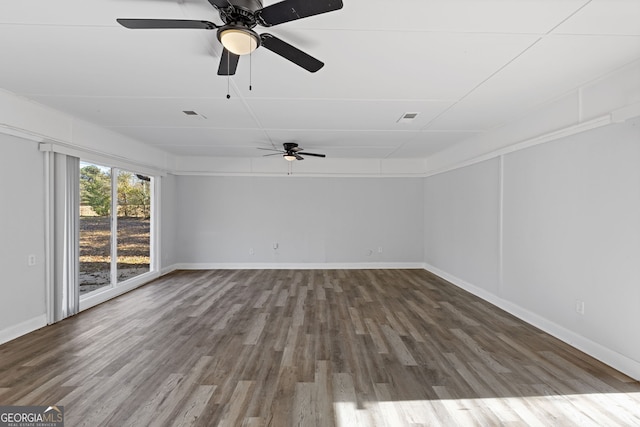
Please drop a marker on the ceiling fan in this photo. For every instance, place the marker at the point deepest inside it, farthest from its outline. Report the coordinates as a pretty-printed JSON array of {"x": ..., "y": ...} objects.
[
  {"x": 291, "y": 152},
  {"x": 237, "y": 35}
]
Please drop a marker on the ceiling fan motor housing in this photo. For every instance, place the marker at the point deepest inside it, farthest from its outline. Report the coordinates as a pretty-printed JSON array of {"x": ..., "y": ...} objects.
[
  {"x": 241, "y": 12},
  {"x": 250, "y": 5}
]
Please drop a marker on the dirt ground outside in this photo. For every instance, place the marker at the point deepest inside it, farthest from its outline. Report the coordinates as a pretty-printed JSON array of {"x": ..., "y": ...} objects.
[{"x": 95, "y": 250}]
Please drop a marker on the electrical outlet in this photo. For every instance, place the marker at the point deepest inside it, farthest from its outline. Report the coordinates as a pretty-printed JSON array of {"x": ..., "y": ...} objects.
[
  {"x": 579, "y": 307},
  {"x": 31, "y": 260}
]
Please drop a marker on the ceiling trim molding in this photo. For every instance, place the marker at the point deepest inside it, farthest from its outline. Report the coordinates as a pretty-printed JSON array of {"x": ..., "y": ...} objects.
[
  {"x": 626, "y": 113},
  {"x": 617, "y": 116},
  {"x": 301, "y": 174},
  {"x": 22, "y": 133},
  {"x": 334, "y": 167},
  {"x": 541, "y": 139},
  {"x": 100, "y": 157}
]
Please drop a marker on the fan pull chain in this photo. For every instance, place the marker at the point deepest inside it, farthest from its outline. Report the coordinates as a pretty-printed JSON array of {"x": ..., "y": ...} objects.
[
  {"x": 228, "y": 77},
  {"x": 250, "y": 68}
]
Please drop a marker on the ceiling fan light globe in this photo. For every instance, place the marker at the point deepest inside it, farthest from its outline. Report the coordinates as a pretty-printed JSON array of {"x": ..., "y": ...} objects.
[
  {"x": 239, "y": 41},
  {"x": 289, "y": 157}
]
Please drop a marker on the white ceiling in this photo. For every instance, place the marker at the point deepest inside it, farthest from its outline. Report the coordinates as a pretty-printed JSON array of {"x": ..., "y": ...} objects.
[{"x": 467, "y": 66}]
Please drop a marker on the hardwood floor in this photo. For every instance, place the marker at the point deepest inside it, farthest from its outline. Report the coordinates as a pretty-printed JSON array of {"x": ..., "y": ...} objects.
[{"x": 312, "y": 347}]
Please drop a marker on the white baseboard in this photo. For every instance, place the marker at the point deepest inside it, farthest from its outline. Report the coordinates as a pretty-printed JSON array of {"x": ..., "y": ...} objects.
[
  {"x": 614, "y": 359},
  {"x": 22, "y": 328},
  {"x": 169, "y": 269},
  {"x": 296, "y": 266}
]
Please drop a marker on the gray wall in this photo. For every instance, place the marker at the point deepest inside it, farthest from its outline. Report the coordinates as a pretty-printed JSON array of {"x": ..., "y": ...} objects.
[
  {"x": 566, "y": 229},
  {"x": 168, "y": 221},
  {"x": 313, "y": 220},
  {"x": 21, "y": 233},
  {"x": 461, "y": 223},
  {"x": 572, "y": 232}
]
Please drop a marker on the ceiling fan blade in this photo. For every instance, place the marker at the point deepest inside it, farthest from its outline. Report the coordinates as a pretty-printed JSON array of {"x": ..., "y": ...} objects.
[
  {"x": 291, "y": 53},
  {"x": 136, "y": 24},
  {"x": 313, "y": 154},
  {"x": 273, "y": 154},
  {"x": 270, "y": 149},
  {"x": 219, "y": 4},
  {"x": 290, "y": 10},
  {"x": 298, "y": 156},
  {"x": 228, "y": 63}
]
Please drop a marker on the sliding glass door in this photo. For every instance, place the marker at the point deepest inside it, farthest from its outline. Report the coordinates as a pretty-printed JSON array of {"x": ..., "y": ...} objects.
[{"x": 115, "y": 226}]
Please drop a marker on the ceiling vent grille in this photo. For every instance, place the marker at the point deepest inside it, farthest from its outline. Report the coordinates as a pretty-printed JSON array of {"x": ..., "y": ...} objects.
[
  {"x": 192, "y": 113},
  {"x": 407, "y": 117}
]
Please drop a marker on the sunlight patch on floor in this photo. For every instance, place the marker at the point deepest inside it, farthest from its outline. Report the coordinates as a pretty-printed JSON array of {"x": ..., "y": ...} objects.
[{"x": 572, "y": 409}]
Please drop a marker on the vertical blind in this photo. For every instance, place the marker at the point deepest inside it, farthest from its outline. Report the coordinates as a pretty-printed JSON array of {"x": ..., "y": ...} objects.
[{"x": 64, "y": 176}]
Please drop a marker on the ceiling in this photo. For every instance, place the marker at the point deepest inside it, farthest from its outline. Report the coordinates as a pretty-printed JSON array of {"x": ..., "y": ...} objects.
[{"x": 466, "y": 66}]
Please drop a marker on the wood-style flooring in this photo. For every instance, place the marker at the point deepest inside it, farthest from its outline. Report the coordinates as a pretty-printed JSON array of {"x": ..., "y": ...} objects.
[{"x": 306, "y": 348}]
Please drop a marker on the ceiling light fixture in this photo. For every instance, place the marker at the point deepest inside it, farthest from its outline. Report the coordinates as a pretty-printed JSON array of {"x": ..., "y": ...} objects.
[
  {"x": 289, "y": 157},
  {"x": 238, "y": 39}
]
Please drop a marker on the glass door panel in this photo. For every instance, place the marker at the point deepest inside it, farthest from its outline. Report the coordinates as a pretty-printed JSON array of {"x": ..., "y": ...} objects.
[
  {"x": 95, "y": 227},
  {"x": 133, "y": 225}
]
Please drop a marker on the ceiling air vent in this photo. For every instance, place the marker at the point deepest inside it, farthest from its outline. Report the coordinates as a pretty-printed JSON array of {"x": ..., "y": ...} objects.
[
  {"x": 407, "y": 117},
  {"x": 194, "y": 114}
]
